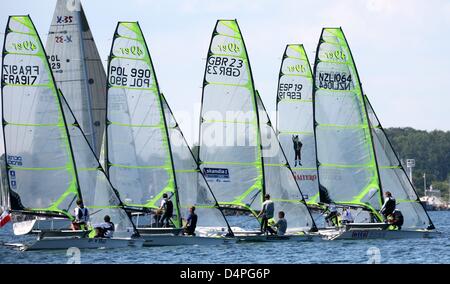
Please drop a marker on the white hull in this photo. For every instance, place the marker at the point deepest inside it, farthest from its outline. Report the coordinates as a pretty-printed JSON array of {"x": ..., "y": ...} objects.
[
  {"x": 63, "y": 243},
  {"x": 152, "y": 240},
  {"x": 275, "y": 238},
  {"x": 361, "y": 234}
]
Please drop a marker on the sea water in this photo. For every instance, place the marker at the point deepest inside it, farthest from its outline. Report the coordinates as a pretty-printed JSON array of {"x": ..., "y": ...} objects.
[{"x": 435, "y": 250}]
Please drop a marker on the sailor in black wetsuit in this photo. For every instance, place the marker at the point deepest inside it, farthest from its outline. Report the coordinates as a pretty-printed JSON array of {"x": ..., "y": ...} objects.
[{"x": 389, "y": 205}]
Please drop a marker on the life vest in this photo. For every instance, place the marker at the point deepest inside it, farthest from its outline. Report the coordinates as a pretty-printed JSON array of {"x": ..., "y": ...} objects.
[
  {"x": 82, "y": 215},
  {"x": 168, "y": 207}
]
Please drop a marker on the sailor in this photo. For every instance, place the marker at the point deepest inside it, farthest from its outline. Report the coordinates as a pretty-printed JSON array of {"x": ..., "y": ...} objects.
[
  {"x": 266, "y": 212},
  {"x": 105, "y": 229},
  {"x": 81, "y": 214},
  {"x": 281, "y": 224},
  {"x": 332, "y": 216},
  {"x": 397, "y": 220},
  {"x": 167, "y": 207},
  {"x": 297, "y": 149},
  {"x": 347, "y": 216},
  {"x": 191, "y": 222},
  {"x": 389, "y": 205}
]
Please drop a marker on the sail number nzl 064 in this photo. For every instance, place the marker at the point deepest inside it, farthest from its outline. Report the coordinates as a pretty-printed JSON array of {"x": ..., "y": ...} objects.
[
  {"x": 335, "y": 81},
  {"x": 133, "y": 78},
  {"x": 224, "y": 66},
  {"x": 20, "y": 74}
]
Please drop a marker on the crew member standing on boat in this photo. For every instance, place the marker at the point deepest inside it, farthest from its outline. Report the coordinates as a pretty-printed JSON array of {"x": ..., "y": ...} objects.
[
  {"x": 81, "y": 216},
  {"x": 388, "y": 206},
  {"x": 332, "y": 216},
  {"x": 297, "y": 149},
  {"x": 191, "y": 222},
  {"x": 167, "y": 207},
  {"x": 266, "y": 212}
]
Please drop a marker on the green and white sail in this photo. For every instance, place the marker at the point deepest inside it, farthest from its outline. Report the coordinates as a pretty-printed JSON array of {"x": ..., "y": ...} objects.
[
  {"x": 394, "y": 178},
  {"x": 295, "y": 125},
  {"x": 147, "y": 153},
  {"x": 139, "y": 158},
  {"x": 239, "y": 152},
  {"x": 78, "y": 69},
  {"x": 345, "y": 152},
  {"x": 49, "y": 160}
]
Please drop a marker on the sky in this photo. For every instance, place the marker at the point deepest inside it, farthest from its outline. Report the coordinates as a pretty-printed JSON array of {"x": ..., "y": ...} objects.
[{"x": 400, "y": 47}]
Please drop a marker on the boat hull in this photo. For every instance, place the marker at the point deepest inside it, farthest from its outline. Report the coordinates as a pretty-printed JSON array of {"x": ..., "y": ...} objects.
[
  {"x": 152, "y": 240},
  {"x": 63, "y": 243},
  {"x": 275, "y": 238},
  {"x": 361, "y": 234}
]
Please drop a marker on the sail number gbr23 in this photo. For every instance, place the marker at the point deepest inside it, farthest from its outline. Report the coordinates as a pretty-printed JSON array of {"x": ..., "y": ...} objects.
[{"x": 224, "y": 66}]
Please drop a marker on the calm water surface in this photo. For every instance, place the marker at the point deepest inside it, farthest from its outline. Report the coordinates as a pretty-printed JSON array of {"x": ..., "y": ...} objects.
[{"x": 435, "y": 250}]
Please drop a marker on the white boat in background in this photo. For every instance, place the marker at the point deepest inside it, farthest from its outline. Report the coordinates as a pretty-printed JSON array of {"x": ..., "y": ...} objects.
[
  {"x": 146, "y": 153},
  {"x": 239, "y": 152},
  {"x": 49, "y": 161},
  {"x": 357, "y": 163}
]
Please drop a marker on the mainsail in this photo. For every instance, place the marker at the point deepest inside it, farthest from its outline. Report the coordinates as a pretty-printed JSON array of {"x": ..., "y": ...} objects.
[
  {"x": 345, "y": 153},
  {"x": 295, "y": 125},
  {"x": 139, "y": 157},
  {"x": 49, "y": 160},
  {"x": 78, "y": 69},
  {"x": 394, "y": 178},
  {"x": 239, "y": 152}
]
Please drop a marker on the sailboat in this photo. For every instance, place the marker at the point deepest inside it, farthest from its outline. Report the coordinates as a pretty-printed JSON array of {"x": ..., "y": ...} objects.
[
  {"x": 239, "y": 152},
  {"x": 146, "y": 153},
  {"x": 79, "y": 73},
  {"x": 356, "y": 161},
  {"x": 295, "y": 124},
  {"x": 50, "y": 163}
]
